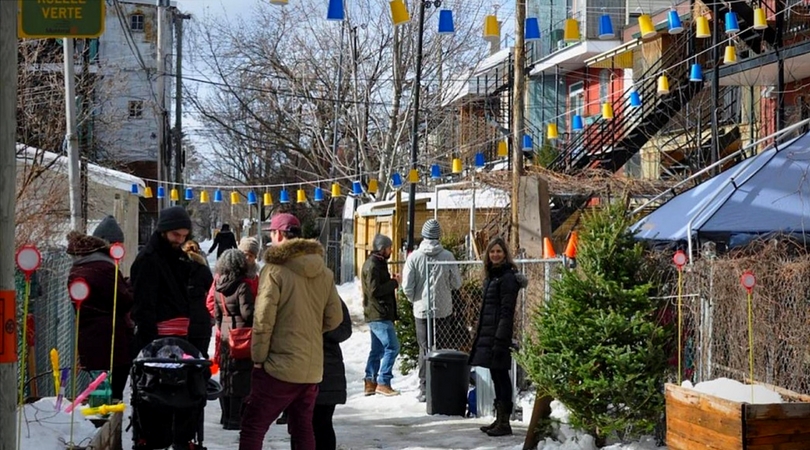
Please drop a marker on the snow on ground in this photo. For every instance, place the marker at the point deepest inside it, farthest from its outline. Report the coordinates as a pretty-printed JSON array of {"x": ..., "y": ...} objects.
[
  {"x": 44, "y": 428},
  {"x": 736, "y": 391}
]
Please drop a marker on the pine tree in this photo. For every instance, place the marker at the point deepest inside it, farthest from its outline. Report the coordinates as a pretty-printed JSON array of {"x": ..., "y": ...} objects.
[{"x": 595, "y": 345}]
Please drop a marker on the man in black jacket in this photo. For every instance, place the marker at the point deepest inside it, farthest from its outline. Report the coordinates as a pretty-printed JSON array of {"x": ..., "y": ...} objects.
[
  {"x": 380, "y": 311},
  {"x": 224, "y": 240}
]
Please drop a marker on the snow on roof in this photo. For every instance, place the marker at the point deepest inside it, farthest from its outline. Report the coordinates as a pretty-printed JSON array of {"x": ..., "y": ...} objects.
[
  {"x": 474, "y": 82},
  {"x": 100, "y": 175},
  {"x": 485, "y": 198}
]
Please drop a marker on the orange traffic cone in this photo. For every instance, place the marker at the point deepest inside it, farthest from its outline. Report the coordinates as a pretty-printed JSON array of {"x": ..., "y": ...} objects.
[
  {"x": 571, "y": 248},
  {"x": 548, "y": 249}
]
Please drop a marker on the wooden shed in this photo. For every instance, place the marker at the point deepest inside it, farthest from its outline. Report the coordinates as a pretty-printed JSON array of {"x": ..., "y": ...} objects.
[{"x": 390, "y": 217}]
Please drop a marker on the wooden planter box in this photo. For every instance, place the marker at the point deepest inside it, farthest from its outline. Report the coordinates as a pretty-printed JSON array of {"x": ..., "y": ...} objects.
[{"x": 701, "y": 421}]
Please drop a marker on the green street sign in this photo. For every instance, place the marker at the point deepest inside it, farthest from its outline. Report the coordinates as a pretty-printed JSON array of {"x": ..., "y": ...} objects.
[{"x": 60, "y": 18}]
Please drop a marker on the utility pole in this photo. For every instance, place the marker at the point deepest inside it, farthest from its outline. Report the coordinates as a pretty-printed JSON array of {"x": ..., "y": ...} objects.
[
  {"x": 518, "y": 126},
  {"x": 74, "y": 175},
  {"x": 8, "y": 168},
  {"x": 163, "y": 163},
  {"x": 180, "y": 154}
]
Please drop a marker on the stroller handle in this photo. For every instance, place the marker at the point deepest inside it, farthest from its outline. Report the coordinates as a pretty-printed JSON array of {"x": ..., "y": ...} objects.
[{"x": 187, "y": 362}]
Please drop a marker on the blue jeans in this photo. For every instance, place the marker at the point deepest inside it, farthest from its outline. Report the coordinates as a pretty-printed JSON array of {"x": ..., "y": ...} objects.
[{"x": 384, "y": 351}]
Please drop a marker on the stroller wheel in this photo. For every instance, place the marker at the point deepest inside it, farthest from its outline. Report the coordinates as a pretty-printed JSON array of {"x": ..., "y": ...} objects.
[{"x": 213, "y": 389}]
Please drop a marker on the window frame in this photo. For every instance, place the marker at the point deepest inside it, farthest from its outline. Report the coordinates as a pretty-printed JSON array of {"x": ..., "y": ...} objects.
[
  {"x": 135, "y": 109},
  {"x": 132, "y": 22}
]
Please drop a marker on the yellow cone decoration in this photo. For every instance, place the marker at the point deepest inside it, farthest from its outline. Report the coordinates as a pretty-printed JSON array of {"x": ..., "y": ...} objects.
[
  {"x": 147, "y": 193},
  {"x": 174, "y": 195},
  {"x": 457, "y": 166},
  {"x": 607, "y": 110},
  {"x": 372, "y": 186},
  {"x": 413, "y": 176},
  {"x": 730, "y": 56},
  {"x": 571, "y": 30},
  {"x": 234, "y": 198},
  {"x": 278, "y": 2},
  {"x": 399, "y": 13},
  {"x": 492, "y": 29},
  {"x": 503, "y": 149},
  {"x": 760, "y": 21},
  {"x": 301, "y": 196},
  {"x": 335, "y": 190},
  {"x": 551, "y": 131},
  {"x": 702, "y": 27},
  {"x": 645, "y": 25},
  {"x": 204, "y": 197},
  {"x": 268, "y": 199},
  {"x": 663, "y": 85}
]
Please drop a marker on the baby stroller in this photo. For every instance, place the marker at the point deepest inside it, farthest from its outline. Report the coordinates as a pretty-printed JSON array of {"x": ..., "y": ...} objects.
[{"x": 171, "y": 382}]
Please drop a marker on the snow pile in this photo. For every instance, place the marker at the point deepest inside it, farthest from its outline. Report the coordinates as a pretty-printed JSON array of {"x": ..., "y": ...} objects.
[
  {"x": 44, "y": 428},
  {"x": 735, "y": 391}
]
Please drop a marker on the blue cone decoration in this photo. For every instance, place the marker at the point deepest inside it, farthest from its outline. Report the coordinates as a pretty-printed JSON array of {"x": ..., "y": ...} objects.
[
  {"x": 284, "y": 196},
  {"x": 357, "y": 188},
  {"x": 217, "y": 196},
  {"x": 161, "y": 192},
  {"x": 396, "y": 180},
  {"x": 532, "y": 30},
  {"x": 577, "y": 124},
  {"x": 527, "y": 143},
  {"x": 435, "y": 172},
  {"x": 675, "y": 25},
  {"x": 480, "y": 161},
  {"x": 189, "y": 194},
  {"x": 732, "y": 26},
  {"x": 134, "y": 189},
  {"x": 252, "y": 198},
  {"x": 606, "y": 27},
  {"x": 318, "y": 194},
  {"x": 696, "y": 73},
  {"x": 446, "y": 22},
  {"x": 335, "y": 11},
  {"x": 635, "y": 99}
]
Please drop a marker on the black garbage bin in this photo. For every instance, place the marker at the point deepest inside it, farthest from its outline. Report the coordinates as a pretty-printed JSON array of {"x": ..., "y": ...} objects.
[{"x": 448, "y": 377}]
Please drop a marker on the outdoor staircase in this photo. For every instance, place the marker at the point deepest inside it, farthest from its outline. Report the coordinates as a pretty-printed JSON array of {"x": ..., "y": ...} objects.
[{"x": 609, "y": 144}]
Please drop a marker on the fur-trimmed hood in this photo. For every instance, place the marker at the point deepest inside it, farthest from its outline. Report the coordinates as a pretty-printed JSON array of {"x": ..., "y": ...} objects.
[
  {"x": 302, "y": 256},
  {"x": 197, "y": 258}
]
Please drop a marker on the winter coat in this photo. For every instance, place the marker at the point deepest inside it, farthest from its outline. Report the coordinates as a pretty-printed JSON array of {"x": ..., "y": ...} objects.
[
  {"x": 95, "y": 321},
  {"x": 200, "y": 281},
  {"x": 160, "y": 280},
  {"x": 493, "y": 338},
  {"x": 379, "y": 290},
  {"x": 239, "y": 303},
  {"x": 297, "y": 303},
  {"x": 224, "y": 240},
  {"x": 444, "y": 278},
  {"x": 332, "y": 390},
  {"x": 252, "y": 279}
]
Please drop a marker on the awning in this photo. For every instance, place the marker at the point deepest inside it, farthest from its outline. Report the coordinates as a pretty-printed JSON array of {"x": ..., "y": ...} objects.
[
  {"x": 574, "y": 56},
  {"x": 620, "y": 57}
]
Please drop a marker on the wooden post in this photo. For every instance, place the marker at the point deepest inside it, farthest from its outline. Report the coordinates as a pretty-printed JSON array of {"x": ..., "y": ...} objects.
[
  {"x": 541, "y": 410},
  {"x": 518, "y": 100}
]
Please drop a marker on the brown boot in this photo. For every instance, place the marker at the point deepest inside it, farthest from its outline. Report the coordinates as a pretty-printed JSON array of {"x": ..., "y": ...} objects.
[
  {"x": 384, "y": 389},
  {"x": 502, "y": 428},
  {"x": 486, "y": 428},
  {"x": 370, "y": 388}
]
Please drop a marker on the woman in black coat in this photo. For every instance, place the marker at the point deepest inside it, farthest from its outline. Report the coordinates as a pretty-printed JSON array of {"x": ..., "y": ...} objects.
[
  {"x": 200, "y": 281},
  {"x": 234, "y": 309},
  {"x": 493, "y": 338}
]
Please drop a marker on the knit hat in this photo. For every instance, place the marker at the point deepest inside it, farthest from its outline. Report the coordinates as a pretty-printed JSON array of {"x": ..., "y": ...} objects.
[
  {"x": 381, "y": 242},
  {"x": 431, "y": 229},
  {"x": 249, "y": 245},
  {"x": 109, "y": 230},
  {"x": 284, "y": 222},
  {"x": 173, "y": 218},
  {"x": 80, "y": 244}
]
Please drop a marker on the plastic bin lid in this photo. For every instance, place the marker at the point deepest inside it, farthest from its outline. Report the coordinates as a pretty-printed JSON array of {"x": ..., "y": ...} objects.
[{"x": 448, "y": 355}]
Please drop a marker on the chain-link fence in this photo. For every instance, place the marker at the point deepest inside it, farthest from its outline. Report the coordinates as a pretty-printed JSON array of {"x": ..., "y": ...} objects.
[{"x": 715, "y": 337}]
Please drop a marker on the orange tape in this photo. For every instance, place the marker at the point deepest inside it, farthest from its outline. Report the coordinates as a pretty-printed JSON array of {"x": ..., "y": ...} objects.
[{"x": 8, "y": 327}]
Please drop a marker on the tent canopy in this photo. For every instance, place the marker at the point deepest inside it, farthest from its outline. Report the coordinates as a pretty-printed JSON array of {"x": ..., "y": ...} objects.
[{"x": 767, "y": 193}]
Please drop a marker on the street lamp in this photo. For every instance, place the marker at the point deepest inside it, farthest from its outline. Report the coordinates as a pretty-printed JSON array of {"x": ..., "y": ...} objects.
[{"x": 424, "y": 4}]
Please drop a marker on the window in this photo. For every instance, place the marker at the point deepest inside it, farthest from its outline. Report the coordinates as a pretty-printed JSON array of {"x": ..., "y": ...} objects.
[
  {"x": 135, "y": 109},
  {"x": 136, "y": 22}
]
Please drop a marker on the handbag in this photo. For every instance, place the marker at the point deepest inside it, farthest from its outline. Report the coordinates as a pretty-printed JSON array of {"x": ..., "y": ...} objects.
[{"x": 238, "y": 338}]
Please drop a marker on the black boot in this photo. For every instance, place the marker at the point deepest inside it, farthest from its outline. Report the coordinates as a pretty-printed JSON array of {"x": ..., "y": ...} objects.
[
  {"x": 502, "y": 428},
  {"x": 486, "y": 428},
  {"x": 234, "y": 416}
]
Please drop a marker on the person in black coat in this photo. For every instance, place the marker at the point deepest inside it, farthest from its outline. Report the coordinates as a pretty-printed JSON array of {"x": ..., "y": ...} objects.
[
  {"x": 200, "y": 281},
  {"x": 224, "y": 240},
  {"x": 332, "y": 390},
  {"x": 493, "y": 338}
]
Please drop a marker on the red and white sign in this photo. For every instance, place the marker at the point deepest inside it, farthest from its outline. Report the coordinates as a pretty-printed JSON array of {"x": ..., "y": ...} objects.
[
  {"x": 748, "y": 280},
  {"x": 79, "y": 290},
  {"x": 28, "y": 259},
  {"x": 117, "y": 251},
  {"x": 679, "y": 259}
]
